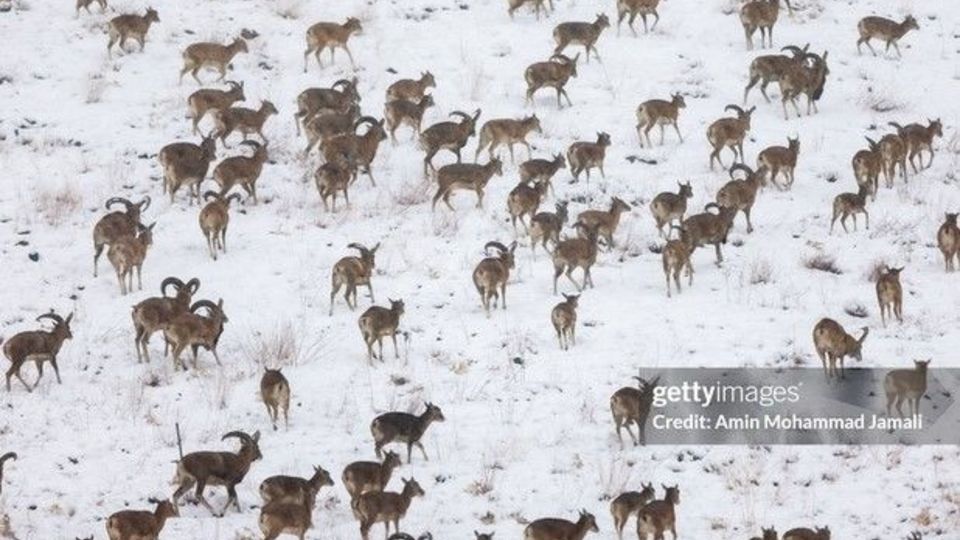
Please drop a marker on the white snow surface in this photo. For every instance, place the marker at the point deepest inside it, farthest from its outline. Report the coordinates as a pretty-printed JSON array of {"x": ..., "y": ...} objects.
[{"x": 78, "y": 128}]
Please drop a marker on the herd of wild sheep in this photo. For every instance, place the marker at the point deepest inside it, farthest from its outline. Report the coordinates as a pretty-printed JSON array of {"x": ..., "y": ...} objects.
[{"x": 331, "y": 119}]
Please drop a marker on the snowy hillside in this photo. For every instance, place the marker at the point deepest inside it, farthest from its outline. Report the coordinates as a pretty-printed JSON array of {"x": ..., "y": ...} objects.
[{"x": 528, "y": 432}]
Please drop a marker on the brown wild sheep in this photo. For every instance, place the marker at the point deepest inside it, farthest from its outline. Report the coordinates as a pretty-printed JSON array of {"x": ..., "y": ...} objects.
[
  {"x": 890, "y": 294},
  {"x": 833, "y": 343}
]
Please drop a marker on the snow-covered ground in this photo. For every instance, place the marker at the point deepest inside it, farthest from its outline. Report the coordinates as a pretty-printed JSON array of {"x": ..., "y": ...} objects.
[{"x": 523, "y": 438}]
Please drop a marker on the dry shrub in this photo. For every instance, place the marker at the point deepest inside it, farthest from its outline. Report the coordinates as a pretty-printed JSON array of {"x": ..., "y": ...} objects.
[
  {"x": 484, "y": 485},
  {"x": 96, "y": 87},
  {"x": 412, "y": 194},
  {"x": 761, "y": 273},
  {"x": 57, "y": 205},
  {"x": 824, "y": 262},
  {"x": 285, "y": 345},
  {"x": 879, "y": 99}
]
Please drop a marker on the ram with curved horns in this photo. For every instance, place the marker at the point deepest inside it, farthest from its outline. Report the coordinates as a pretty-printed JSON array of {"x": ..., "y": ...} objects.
[
  {"x": 205, "y": 100},
  {"x": 806, "y": 78},
  {"x": 554, "y": 73},
  {"x": 492, "y": 274},
  {"x": 339, "y": 98},
  {"x": 740, "y": 194},
  {"x": 452, "y": 136},
  {"x": 356, "y": 151},
  {"x": 353, "y": 271},
  {"x": 152, "y": 314},
  {"x": 195, "y": 331},
  {"x": 729, "y": 133},
  {"x": 226, "y": 469},
  {"x": 116, "y": 225},
  {"x": 769, "y": 68},
  {"x": 37, "y": 345}
]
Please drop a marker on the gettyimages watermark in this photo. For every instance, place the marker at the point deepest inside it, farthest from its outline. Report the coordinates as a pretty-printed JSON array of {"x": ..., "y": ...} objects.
[{"x": 801, "y": 406}]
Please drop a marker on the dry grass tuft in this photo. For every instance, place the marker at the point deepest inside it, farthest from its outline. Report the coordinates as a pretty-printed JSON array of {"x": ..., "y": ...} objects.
[
  {"x": 824, "y": 262},
  {"x": 56, "y": 206}
]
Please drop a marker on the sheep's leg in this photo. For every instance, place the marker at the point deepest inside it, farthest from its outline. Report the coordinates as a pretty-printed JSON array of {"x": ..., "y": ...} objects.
[
  {"x": 633, "y": 437},
  {"x": 306, "y": 57},
  {"x": 422, "y": 451},
  {"x": 316, "y": 54},
  {"x": 56, "y": 369},
  {"x": 569, "y": 274},
  {"x": 184, "y": 487},
  {"x": 136, "y": 343},
  {"x": 15, "y": 371},
  {"x": 349, "y": 55},
  {"x": 96, "y": 256},
  {"x": 123, "y": 289}
]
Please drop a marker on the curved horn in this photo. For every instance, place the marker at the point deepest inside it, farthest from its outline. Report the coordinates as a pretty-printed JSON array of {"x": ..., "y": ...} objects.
[
  {"x": 52, "y": 316},
  {"x": 8, "y": 455},
  {"x": 341, "y": 82},
  {"x": 563, "y": 58},
  {"x": 735, "y": 108},
  {"x": 461, "y": 114},
  {"x": 233, "y": 197},
  {"x": 365, "y": 120},
  {"x": 170, "y": 281},
  {"x": 496, "y": 245},
  {"x": 359, "y": 247},
  {"x": 246, "y": 439},
  {"x": 797, "y": 51},
  {"x": 204, "y": 303},
  {"x": 144, "y": 203},
  {"x": 252, "y": 144},
  {"x": 193, "y": 285},
  {"x": 871, "y": 142},
  {"x": 813, "y": 56},
  {"x": 114, "y": 200},
  {"x": 208, "y": 194},
  {"x": 741, "y": 167},
  {"x": 708, "y": 206}
]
